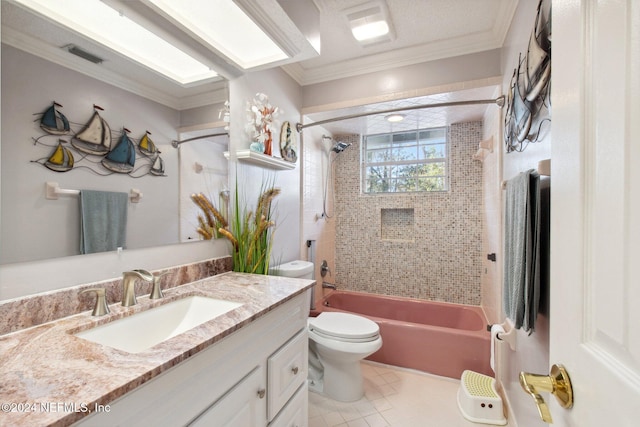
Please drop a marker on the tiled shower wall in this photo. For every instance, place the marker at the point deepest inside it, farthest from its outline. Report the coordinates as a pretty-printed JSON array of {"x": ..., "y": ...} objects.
[{"x": 417, "y": 245}]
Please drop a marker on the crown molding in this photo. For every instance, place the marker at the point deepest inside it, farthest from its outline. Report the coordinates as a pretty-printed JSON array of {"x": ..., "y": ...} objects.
[
  {"x": 21, "y": 41},
  {"x": 475, "y": 43},
  {"x": 393, "y": 59}
]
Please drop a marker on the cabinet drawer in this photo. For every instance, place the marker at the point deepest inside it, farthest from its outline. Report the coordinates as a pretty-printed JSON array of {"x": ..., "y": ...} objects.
[
  {"x": 296, "y": 412},
  {"x": 286, "y": 371}
]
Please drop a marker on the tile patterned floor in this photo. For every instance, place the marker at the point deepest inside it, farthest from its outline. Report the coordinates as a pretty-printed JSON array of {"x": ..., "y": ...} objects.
[{"x": 394, "y": 397}]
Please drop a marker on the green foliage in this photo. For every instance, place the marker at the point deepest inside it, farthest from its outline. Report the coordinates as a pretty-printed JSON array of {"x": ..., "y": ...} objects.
[
  {"x": 399, "y": 178},
  {"x": 251, "y": 232}
]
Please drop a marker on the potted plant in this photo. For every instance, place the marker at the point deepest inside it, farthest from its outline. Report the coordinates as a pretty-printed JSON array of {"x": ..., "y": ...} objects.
[{"x": 249, "y": 231}]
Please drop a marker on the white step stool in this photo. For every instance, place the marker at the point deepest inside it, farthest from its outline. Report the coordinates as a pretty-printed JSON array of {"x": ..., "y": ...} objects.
[{"x": 478, "y": 399}]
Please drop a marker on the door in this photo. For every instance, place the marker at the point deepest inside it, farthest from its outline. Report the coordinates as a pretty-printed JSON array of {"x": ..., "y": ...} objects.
[{"x": 595, "y": 219}]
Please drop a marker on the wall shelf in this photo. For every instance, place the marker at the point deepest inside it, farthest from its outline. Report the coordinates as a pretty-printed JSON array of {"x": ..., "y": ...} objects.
[{"x": 262, "y": 160}]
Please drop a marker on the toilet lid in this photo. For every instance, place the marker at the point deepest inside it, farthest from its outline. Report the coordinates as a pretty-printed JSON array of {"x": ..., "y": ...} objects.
[{"x": 344, "y": 326}]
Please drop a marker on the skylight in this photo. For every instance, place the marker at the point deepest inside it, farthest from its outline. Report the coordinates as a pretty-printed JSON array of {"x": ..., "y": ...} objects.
[
  {"x": 224, "y": 26},
  {"x": 96, "y": 20}
]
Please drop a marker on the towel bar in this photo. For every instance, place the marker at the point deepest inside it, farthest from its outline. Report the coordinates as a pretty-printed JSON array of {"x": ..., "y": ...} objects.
[
  {"x": 544, "y": 169},
  {"x": 53, "y": 191}
]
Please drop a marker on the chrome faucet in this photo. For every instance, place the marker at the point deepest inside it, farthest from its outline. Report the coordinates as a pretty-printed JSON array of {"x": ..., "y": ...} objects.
[
  {"x": 128, "y": 282},
  {"x": 326, "y": 285}
]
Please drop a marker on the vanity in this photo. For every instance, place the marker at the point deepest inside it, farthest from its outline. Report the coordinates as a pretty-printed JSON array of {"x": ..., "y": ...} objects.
[{"x": 245, "y": 367}]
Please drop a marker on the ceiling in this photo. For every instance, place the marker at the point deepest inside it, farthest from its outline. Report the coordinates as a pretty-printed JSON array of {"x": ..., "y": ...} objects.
[
  {"x": 35, "y": 34},
  {"x": 414, "y": 118},
  {"x": 424, "y": 30}
]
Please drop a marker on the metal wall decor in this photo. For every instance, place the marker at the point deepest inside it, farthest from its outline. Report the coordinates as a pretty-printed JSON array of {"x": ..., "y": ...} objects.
[
  {"x": 528, "y": 101},
  {"x": 288, "y": 145},
  {"x": 92, "y": 145}
]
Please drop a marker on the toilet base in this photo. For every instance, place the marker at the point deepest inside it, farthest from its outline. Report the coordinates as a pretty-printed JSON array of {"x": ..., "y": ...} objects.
[{"x": 342, "y": 382}]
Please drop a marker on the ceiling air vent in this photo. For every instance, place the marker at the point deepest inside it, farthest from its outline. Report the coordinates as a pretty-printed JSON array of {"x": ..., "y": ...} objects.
[{"x": 83, "y": 54}]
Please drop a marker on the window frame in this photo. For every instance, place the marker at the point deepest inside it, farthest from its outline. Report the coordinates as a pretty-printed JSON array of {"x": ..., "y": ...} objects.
[{"x": 416, "y": 162}]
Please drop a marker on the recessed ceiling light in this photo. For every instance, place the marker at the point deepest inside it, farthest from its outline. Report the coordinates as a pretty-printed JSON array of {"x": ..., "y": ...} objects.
[
  {"x": 393, "y": 118},
  {"x": 224, "y": 26},
  {"x": 99, "y": 22}
]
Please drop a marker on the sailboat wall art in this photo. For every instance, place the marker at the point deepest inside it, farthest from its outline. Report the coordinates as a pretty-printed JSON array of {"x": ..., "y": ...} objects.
[
  {"x": 53, "y": 121},
  {"x": 95, "y": 137},
  {"x": 528, "y": 102},
  {"x": 122, "y": 158},
  {"x": 61, "y": 160},
  {"x": 94, "y": 148},
  {"x": 146, "y": 145}
]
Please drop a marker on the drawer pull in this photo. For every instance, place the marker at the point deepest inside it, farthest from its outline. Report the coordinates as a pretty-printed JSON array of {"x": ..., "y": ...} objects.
[
  {"x": 261, "y": 393},
  {"x": 294, "y": 370}
]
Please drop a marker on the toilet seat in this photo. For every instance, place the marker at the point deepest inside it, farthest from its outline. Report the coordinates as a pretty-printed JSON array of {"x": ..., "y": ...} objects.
[{"x": 344, "y": 327}]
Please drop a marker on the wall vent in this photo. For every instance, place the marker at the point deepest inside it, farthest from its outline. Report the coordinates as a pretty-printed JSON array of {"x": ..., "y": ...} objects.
[{"x": 75, "y": 50}]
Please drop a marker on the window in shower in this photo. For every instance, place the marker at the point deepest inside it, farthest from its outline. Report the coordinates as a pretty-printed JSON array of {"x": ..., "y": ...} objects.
[{"x": 403, "y": 162}]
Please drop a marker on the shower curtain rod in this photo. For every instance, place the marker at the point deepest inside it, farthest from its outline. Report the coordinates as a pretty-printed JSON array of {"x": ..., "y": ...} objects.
[
  {"x": 499, "y": 101},
  {"x": 175, "y": 143}
]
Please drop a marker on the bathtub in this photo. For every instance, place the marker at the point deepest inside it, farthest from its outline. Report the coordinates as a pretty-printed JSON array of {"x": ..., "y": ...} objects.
[{"x": 439, "y": 338}]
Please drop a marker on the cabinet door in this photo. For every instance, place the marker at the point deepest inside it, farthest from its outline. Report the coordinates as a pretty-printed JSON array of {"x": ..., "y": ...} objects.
[
  {"x": 296, "y": 412},
  {"x": 244, "y": 405},
  {"x": 287, "y": 371}
]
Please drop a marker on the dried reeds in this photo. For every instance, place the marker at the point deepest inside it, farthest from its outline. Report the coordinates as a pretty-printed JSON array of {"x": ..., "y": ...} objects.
[
  {"x": 212, "y": 221},
  {"x": 250, "y": 232}
]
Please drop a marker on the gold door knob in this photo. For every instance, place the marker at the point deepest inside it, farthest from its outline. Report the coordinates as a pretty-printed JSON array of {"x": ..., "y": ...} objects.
[{"x": 556, "y": 383}]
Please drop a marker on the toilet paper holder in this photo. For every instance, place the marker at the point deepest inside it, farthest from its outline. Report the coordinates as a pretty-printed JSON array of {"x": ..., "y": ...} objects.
[{"x": 509, "y": 336}]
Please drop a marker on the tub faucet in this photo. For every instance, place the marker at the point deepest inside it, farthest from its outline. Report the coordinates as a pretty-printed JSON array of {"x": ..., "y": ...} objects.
[
  {"x": 326, "y": 285},
  {"x": 128, "y": 282}
]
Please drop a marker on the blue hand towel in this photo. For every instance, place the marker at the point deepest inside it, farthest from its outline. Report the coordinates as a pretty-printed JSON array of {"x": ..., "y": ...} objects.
[
  {"x": 521, "y": 292},
  {"x": 103, "y": 221}
]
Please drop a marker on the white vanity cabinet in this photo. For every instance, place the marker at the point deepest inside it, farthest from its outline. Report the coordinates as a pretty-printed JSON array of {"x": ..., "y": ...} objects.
[
  {"x": 256, "y": 376},
  {"x": 242, "y": 406}
]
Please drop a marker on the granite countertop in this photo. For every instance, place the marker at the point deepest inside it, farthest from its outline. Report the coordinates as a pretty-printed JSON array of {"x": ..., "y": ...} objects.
[{"x": 50, "y": 377}]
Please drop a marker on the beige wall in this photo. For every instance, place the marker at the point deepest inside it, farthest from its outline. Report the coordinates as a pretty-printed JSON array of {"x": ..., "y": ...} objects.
[
  {"x": 286, "y": 94},
  {"x": 532, "y": 351}
]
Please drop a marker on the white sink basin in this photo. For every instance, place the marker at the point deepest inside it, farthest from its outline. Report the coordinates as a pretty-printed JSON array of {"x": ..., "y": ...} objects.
[{"x": 143, "y": 330}]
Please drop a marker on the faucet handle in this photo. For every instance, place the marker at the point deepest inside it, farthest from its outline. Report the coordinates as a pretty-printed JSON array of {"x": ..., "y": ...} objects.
[
  {"x": 324, "y": 268},
  {"x": 156, "y": 291},
  {"x": 100, "y": 308}
]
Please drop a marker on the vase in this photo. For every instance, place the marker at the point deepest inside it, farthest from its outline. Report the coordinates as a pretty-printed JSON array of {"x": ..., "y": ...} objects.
[
  {"x": 268, "y": 143},
  {"x": 257, "y": 147}
]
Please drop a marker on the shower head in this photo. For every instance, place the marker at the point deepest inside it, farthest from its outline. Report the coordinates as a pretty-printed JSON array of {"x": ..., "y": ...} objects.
[{"x": 340, "y": 146}]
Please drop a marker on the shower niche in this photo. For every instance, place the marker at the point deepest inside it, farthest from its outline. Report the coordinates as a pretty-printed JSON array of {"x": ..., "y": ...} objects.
[{"x": 397, "y": 224}]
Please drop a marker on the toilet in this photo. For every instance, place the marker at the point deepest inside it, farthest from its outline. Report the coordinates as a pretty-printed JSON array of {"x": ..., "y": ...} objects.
[
  {"x": 298, "y": 269},
  {"x": 337, "y": 343}
]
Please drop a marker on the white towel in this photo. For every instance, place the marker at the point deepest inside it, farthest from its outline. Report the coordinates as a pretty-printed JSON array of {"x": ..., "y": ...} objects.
[{"x": 103, "y": 221}]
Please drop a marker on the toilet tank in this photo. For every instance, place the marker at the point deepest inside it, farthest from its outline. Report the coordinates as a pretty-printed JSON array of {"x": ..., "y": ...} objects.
[{"x": 298, "y": 269}]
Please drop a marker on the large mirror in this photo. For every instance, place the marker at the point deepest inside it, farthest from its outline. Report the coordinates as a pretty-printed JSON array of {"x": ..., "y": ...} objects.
[{"x": 40, "y": 65}]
